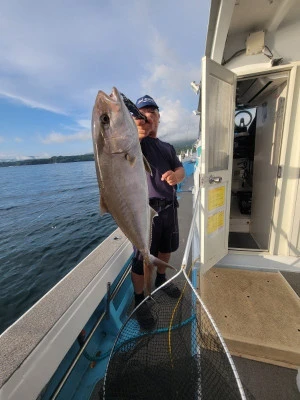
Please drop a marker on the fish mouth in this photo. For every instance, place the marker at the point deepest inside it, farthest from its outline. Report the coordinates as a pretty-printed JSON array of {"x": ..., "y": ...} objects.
[{"x": 113, "y": 98}]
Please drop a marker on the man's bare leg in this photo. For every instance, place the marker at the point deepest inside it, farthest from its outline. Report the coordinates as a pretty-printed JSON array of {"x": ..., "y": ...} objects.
[{"x": 138, "y": 282}]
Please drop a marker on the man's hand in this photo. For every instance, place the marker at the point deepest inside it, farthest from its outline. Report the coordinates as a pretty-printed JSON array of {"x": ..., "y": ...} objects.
[
  {"x": 174, "y": 177},
  {"x": 140, "y": 124},
  {"x": 169, "y": 177}
]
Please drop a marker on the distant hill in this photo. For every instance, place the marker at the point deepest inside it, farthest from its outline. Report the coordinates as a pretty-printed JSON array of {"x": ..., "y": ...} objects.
[
  {"x": 182, "y": 145},
  {"x": 52, "y": 160}
]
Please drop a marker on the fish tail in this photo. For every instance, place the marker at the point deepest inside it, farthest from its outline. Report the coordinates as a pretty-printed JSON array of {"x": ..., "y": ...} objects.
[
  {"x": 149, "y": 264},
  {"x": 160, "y": 263},
  {"x": 148, "y": 270}
]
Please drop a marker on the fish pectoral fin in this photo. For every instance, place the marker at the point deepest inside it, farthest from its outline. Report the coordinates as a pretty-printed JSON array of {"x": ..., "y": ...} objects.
[
  {"x": 147, "y": 165},
  {"x": 160, "y": 263},
  {"x": 153, "y": 214},
  {"x": 130, "y": 159},
  {"x": 103, "y": 206}
]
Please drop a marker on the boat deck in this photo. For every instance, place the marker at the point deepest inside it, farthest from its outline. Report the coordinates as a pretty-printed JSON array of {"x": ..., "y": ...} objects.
[
  {"x": 264, "y": 380},
  {"x": 24, "y": 358}
]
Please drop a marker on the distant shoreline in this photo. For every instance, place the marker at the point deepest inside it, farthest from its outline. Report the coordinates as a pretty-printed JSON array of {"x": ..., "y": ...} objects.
[
  {"x": 52, "y": 160},
  {"x": 78, "y": 158}
]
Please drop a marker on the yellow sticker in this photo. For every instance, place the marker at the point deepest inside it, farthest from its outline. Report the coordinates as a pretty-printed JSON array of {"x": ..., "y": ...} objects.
[
  {"x": 216, "y": 198},
  {"x": 215, "y": 222}
]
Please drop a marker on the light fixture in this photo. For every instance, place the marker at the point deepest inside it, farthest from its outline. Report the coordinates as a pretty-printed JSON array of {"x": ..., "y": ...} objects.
[{"x": 196, "y": 112}]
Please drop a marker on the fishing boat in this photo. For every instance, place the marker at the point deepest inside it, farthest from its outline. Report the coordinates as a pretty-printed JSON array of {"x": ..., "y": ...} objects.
[{"x": 242, "y": 215}]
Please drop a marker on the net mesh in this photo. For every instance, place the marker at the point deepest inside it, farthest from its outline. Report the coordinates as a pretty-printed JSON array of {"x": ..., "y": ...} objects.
[{"x": 182, "y": 357}]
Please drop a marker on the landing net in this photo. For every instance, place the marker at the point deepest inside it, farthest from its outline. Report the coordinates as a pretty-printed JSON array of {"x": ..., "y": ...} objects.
[{"x": 183, "y": 356}]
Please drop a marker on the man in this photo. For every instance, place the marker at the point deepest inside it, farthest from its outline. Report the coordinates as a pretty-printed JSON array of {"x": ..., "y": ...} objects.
[{"x": 167, "y": 172}]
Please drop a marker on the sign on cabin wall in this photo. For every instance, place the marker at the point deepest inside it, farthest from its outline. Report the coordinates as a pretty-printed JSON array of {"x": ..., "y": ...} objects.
[
  {"x": 215, "y": 222},
  {"x": 216, "y": 200}
]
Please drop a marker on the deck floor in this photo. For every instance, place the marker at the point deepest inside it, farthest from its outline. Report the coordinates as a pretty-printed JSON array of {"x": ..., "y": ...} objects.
[
  {"x": 265, "y": 381},
  {"x": 241, "y": 240},
  {"x": 257, "y": 312}
]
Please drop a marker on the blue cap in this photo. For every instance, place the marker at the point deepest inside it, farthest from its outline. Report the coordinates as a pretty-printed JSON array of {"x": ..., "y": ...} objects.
[{"x": 146, "y": 101}]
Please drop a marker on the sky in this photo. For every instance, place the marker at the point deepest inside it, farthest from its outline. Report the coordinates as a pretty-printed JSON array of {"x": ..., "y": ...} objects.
[{"x": 55, "y": 56}]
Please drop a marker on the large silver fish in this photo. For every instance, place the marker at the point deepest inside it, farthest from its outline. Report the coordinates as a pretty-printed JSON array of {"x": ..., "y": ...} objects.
[{"x": 120, "y": 168}]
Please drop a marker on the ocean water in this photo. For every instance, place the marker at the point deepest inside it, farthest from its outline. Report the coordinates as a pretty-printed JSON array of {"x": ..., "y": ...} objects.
[{"x": 49, "y": 221}]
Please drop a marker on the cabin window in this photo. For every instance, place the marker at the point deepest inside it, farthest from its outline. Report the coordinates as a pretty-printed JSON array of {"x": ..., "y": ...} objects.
[{"x": 218, "y": 150}]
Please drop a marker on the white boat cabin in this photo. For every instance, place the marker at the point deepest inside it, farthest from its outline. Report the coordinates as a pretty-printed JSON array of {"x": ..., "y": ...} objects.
[{"x": 249, "y": 170}]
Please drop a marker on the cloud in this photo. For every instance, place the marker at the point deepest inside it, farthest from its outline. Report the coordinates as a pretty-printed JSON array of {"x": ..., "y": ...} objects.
[
  {"x": 168, "y": 79},
  {"x": 55, "y": 137},
  {"x": 84, "y": 123},
  {"x": 172, "y": 79},
  {"x": 79, "y": 124},
  {"x": 18, "y": 140},
  {"x": 31, "y": 103},
  {"x": 56, "y": 56},
  {"x": 11, "y": 157},
  {"x": 19, "y": 157},
  {"x": 177, "y": 123},
  {"x": 166, "y": 70},
  {"x": 58, "y": 63},
  {"x": 2, "y": 139}
]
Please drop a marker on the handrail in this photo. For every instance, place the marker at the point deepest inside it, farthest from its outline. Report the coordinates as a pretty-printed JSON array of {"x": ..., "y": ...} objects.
[
  {"x": 183, "y": 267},
  {"x": 190, "y": 235}
]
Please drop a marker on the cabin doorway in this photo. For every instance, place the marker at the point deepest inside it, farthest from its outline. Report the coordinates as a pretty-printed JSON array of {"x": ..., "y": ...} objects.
[{"x": 259, "y": 117}]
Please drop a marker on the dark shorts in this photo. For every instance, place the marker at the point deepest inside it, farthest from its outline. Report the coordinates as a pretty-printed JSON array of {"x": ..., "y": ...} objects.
[{"x": 165, "y": 236}]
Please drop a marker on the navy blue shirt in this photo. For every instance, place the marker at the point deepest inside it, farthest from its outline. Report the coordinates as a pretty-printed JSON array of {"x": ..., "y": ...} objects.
[{"x": 162, "y": 157}]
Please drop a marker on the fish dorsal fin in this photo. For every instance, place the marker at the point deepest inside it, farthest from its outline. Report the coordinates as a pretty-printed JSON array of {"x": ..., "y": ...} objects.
[{"x": 147, "y": 165}]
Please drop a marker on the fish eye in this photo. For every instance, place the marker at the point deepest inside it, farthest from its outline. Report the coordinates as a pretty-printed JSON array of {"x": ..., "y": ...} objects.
[{"x": 104, "y": 118}]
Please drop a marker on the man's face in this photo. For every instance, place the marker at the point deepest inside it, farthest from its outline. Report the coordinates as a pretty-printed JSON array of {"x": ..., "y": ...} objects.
[{"x": 151, "y": 126}]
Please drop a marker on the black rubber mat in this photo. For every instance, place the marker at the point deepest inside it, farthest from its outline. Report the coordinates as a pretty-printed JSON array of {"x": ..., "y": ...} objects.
[{"x": 241, "y": 240}]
